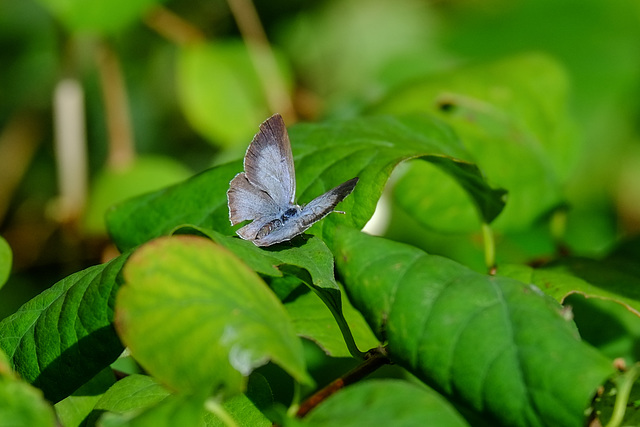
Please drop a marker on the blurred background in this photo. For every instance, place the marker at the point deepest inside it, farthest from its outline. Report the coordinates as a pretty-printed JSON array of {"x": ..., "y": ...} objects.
[{"x": 101, "y": 100}]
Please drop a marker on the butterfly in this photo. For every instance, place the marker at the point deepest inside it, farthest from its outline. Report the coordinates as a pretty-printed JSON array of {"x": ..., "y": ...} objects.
[{"x": 265, "y": 192}]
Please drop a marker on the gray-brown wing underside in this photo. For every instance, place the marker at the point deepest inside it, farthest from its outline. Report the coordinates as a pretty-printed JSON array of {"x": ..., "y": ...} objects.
[
  {"x": 268, "y": 162},
  {"x": 317, "y": 209},
  {"x": 247, "y": 203}
]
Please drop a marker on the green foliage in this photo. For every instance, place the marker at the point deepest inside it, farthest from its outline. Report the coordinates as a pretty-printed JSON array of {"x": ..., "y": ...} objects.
[
  {"x": 498, "y": 344},
  {"x": 20, "y": 403},
  {"x": 187, "y": 294},
  {"x": 220, "y": 91},
  {"x": 386, "y": 402},
  {"x": 5, "y": 261},
  {"x": 483, "y": 134}
]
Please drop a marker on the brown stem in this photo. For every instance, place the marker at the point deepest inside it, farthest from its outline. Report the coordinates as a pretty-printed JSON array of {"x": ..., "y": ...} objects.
[
  {"x": 262, "y": 58},
  {"x": 374, "y": 359},
  {"x": 18, "y": 142},
  {"x": 173, "y": 27}
]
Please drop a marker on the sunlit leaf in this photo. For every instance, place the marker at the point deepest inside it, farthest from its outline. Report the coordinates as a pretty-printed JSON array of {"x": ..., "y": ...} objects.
[{"x": 199, "y": 320}]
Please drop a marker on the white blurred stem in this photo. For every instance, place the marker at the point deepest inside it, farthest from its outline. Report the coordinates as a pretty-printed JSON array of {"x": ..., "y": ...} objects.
[{"x": 70, "y": 148}]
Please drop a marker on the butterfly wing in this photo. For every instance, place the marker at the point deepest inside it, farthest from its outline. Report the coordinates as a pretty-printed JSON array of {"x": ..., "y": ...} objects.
[
  {"x": 317, "y": 209},
  {"x": 248, "y": 203},
  {"x": 323, "y": 205},
  {"x": 268, "y": 163}
]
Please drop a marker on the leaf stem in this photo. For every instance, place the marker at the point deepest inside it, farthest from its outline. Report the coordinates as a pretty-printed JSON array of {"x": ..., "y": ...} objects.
[
  {"x": 489, "y": 248},
  {"x": 625, "y": 383},
  {"x": 374, "y": 359},
  {"x": 213, "y": 405},
  {"x": 338, "y": 315}
]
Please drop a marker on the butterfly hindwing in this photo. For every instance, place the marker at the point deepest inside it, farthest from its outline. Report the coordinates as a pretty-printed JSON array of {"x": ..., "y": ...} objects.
[{"x": 246, "y": 202}]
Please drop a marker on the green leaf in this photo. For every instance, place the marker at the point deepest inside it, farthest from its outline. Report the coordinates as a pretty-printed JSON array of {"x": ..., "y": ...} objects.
[
  {"x": 385, "y": 402},
  {"x": 173, "y": 410},
  {"x": 99, "y": 16},
  {"x": 245, "y": 409},
  {"x": 201, "y": 200},
  {"x": 313, "y": 320},
  {"x": 512, "y": 115},
  {"x": 114, "y": 186},
  {"x": 220, "y": 91},
  {"x": 64, "y": 336},
  {"x": 135, "y": 394},
  {"x": 309, "y": 261},
  {"x": 199, "y": 320},
  {"x": 5, "y": 261},
  {"x": 325, "y": 155},
  {"x": 608, "y": 279},
  {"x": 73, "y": 410},
  {"x": 21, "y": 404},
  {"x": 500, "y": 346}
]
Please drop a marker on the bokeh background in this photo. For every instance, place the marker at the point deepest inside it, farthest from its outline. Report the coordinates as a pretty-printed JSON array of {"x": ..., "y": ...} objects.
[{"x": 101, "y": 100}]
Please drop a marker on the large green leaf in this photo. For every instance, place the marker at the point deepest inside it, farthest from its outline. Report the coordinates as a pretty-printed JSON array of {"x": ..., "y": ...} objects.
[
  {"x": 512, "y": 116},
  {"x": 500, "y": 346},
  {"x": 64, "y": 336},
  {"x": 98, "y": 16},
  {"x": 325, "y": 155},
  {"x": 200, "y": 320},
  {"x": 5, "y": 261},
  {"x": 385, "y": 402}
]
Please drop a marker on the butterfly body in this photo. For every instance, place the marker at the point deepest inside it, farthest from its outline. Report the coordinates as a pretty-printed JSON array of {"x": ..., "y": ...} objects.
[{"x": 265, "y": 192}]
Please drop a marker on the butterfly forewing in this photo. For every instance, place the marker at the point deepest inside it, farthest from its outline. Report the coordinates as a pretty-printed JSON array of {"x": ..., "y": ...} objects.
[
  {"x": 268, "y": 163},
  {"x": 323, "y": 205}
]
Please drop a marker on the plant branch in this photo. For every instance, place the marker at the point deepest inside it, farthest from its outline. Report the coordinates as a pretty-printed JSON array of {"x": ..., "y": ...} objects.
[
  {"x": 172, "y": 26},
  {"x": 18, "y": 142},
  {"x": 262, "y": 57},
  {"x": 375, "y": 358},
  {"x": 121, "y": 147}
]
